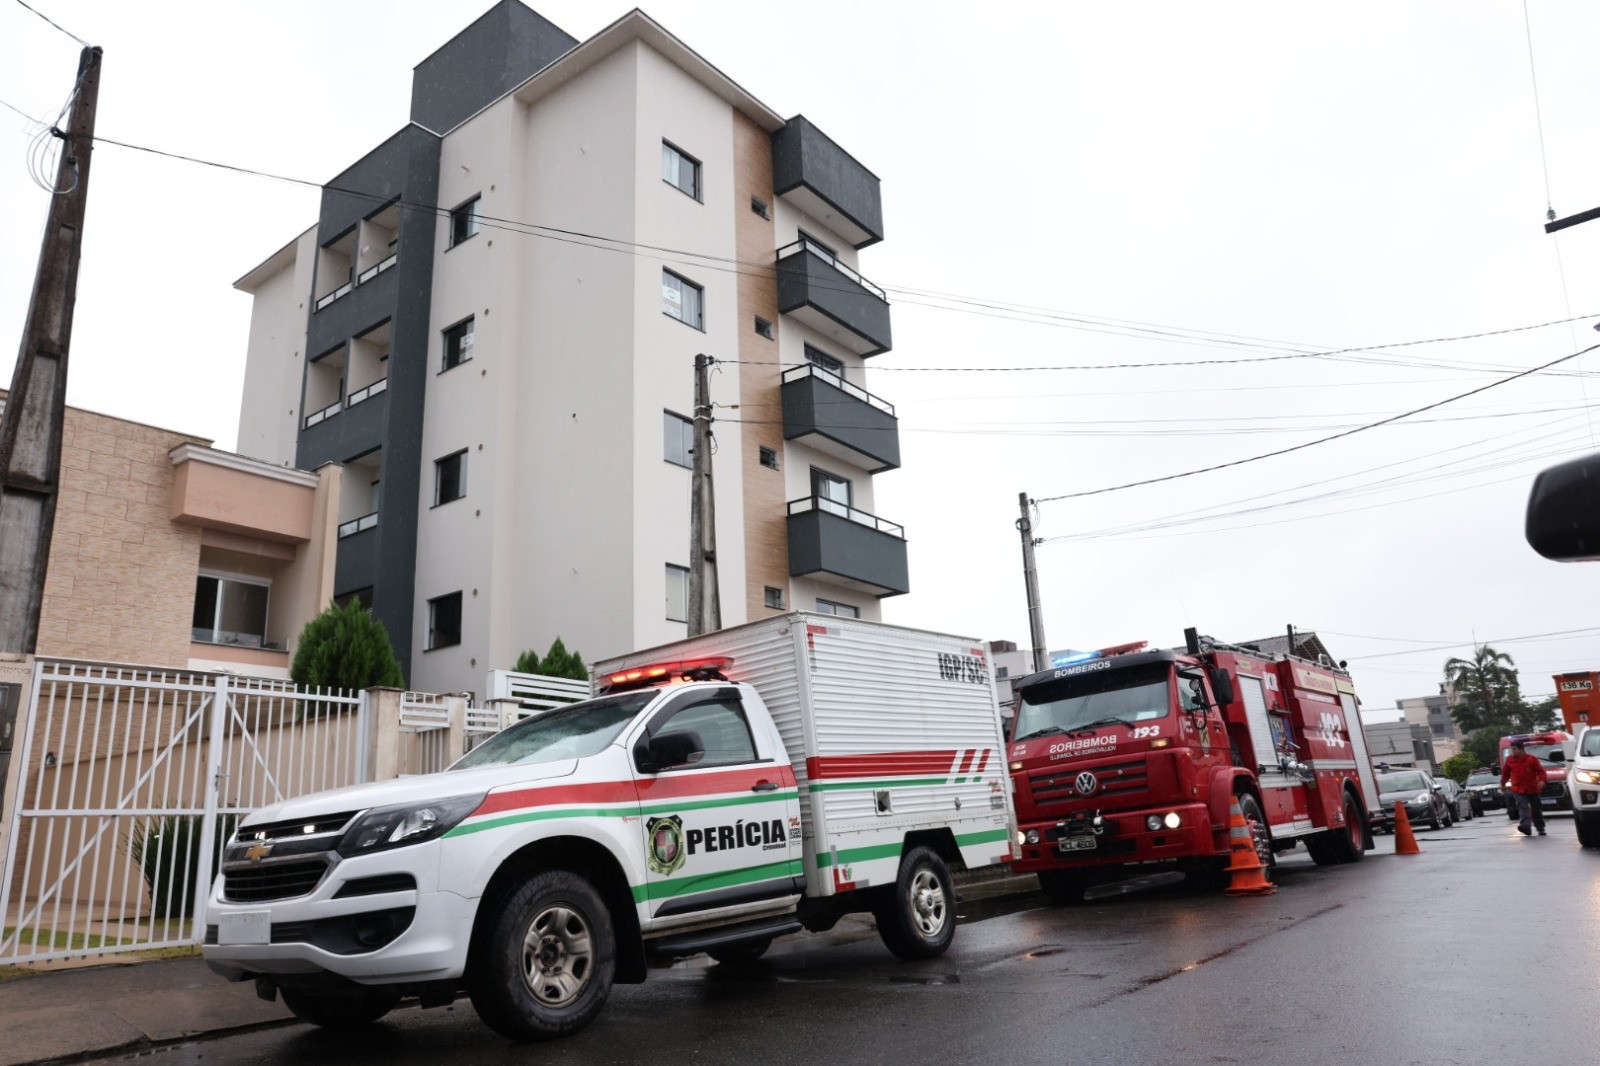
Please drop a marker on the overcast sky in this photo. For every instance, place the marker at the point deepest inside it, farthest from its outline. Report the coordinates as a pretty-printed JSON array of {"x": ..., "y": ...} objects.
[{"x": 1065, "y": 185}]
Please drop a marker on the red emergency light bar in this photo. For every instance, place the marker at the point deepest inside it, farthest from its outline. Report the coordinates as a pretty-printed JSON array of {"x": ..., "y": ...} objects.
[{"x": 707, "y": 669}]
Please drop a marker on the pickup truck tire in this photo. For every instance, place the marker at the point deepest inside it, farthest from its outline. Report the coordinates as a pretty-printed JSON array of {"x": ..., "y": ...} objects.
[
  {"x": 1588, "y": 827},
  {"x": 917, "y": 917},
  {"x": 339, "y": 1011},
  {"x": 548, "y": 960},
  {"x": 747, "y": 952}
]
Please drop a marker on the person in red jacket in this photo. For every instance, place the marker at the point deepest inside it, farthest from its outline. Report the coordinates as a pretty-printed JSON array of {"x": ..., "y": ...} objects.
[{"x": 1525, "y": 776}]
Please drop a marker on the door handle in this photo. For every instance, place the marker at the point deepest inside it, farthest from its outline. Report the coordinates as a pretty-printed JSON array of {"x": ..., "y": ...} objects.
[{"x": 763, "y": 786}]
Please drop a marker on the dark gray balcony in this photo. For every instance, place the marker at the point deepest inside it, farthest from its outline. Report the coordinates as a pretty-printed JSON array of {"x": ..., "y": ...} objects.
[
  {"x": 826, "y": 182},
  {"x": 355, "y": 564},
  {"x": 846, "y": 546},
  {"x": 832, "y": 415},
  {"x": 830, "y": 297}
]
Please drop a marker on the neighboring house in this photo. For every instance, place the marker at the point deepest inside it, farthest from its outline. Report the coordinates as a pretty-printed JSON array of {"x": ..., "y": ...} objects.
[
  {"x": 1400, "y": 744},
  {"x": 1433, "y": 714},
  {"x": 493, "y": 323},
  {"x": 167, "y": 552}
]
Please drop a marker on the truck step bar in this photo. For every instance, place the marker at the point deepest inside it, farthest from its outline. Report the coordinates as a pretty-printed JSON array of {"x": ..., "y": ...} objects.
[{"x": 705, "y": 939}]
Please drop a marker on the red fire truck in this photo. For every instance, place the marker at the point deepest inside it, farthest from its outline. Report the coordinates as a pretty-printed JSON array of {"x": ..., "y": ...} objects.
[{"x": 1127, "y": 757}]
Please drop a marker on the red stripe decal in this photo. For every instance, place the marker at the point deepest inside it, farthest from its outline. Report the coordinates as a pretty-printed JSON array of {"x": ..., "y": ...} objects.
[
  {"x": 967, "y": 756},
  {"x": 666, "y": 787},
  {"x": 984, "y": 761},
  {"x": 888, "y": 763}
]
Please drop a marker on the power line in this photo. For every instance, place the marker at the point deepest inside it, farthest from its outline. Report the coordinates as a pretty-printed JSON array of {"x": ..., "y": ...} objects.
[
  {"x": 57, "y": 25},
  {"x": 1320, "y": 440},
  {"x": 1560, "y": 634}
]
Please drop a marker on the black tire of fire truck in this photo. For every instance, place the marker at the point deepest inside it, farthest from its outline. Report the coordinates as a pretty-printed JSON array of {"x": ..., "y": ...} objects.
[
  {"x": 737, "y": 954},
  {"x": 917, "y": 916},
  {"x": 1337, "y": 846},
  {"x": 1258, "y": 831},
  {"x": 339, "y": 1010},
  {"x": 548, "y": 961},
  {"x": 1588, "y": 827},
  {"x": 1065, "y": 888}
]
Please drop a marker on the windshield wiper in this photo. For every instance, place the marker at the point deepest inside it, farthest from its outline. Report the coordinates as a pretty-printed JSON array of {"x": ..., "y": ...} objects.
[
  {"x": 1037, "y": 733},
  {"x": 1100, "y": 722}
]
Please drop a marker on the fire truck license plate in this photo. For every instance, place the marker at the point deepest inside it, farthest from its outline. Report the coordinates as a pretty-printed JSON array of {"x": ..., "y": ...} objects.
[{"x": 1078, "y": 844}]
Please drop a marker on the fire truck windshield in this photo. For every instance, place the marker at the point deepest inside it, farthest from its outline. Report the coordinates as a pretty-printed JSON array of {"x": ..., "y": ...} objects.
[
  {"x": 1541, "y": 751},
  {"x": 574, "y": 732},
  {"x": 1086, "y": 701}
]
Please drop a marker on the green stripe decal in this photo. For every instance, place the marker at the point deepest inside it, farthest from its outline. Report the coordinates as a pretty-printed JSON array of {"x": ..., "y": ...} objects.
[
  {"x": 540, "y": 814},
  {"x": 889, "y": 851},
  {"x": 683, "y": 886}
]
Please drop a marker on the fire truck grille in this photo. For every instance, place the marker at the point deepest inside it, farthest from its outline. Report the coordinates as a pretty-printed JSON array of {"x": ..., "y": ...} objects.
[
  {"x": 1059, "y": 786},
  {"x": 271, "y": 881}
]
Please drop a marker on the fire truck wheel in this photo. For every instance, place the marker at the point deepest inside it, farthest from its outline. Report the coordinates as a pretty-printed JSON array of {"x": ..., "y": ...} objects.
[
  {"x": 1258, "y": 830},
  {"x": 1063, "y": 887},
  {"x": 547, "y": 962},
  {"x": 734, "y": 954},
  {"x": 1341, "y": 845},
  {"x": 339, "y": 1010},
  {"x": 917, "y": 917}
]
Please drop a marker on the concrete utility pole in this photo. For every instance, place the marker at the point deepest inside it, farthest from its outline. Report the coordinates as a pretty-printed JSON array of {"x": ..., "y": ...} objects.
[
  {"x": 705, "y": 608},
  {"x": 1030, "y": 577},
  {"x": 30, "y": 429}
]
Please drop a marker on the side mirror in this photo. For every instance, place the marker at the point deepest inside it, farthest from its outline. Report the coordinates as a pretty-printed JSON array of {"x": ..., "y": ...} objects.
[
  {"x": 1557, "y": 756},
  {"x": 1222, "y": 686},
  {"x": 1563, "y": 521},
  {"x": 668, "y": 750}
]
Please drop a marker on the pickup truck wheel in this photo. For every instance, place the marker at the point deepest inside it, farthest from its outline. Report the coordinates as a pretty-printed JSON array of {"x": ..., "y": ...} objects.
[
  {"x": 734, "y": 954},
  {"x": 548, "y": 960},
  {"x": 917, "y": 918},
  {"x": 339, "y": 1010},
  {"x": 1588, "y": 827}
]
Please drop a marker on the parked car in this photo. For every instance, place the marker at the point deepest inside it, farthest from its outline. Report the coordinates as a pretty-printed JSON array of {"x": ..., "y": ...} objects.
[
  {"x": 1457, "y": 798},
  {"x": 1484, "y": 785},
  {"x": 1423, "y": 799}
]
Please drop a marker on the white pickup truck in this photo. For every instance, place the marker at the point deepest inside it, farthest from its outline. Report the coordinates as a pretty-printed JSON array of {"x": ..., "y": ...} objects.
[
  {"x": 720, "y": 792},
  {"x": 1583, "y": 784}
]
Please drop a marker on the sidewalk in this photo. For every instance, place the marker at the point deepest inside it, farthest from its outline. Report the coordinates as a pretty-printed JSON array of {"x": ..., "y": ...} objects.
[{"x": 69, "y": 1013}]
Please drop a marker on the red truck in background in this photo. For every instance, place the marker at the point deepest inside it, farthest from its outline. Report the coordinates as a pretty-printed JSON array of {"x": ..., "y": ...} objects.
[{"x": 1127, "y": 757}]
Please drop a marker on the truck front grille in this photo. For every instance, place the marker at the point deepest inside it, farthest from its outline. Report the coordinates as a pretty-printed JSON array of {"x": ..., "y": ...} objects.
[
  {"x": 268, "y": 881},
  {"x": 1058, "y": 785}
]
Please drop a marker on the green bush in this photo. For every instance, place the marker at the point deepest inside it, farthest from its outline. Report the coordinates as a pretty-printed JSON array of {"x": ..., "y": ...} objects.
[
  {"x": 167, "y": 851},
  {"x": 345, "y": 647},
  {"x": 557, "y": 662}
]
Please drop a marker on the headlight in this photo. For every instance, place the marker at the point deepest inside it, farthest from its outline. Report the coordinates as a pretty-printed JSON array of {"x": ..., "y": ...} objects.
[
  {"x": 1033, "y": 836},
  {"x": 405, "y": 823},
  {"x": 1172, "y": 821},
  {"x": 1423, "y": 797},
  {"x": 1153, "y": 822},
  {"x": 1588, "y": 777}
]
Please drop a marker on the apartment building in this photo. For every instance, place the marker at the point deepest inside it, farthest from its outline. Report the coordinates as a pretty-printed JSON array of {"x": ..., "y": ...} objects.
[
  {"x": 493, "y": 324},
  {"x": 1433, "y": 713}
]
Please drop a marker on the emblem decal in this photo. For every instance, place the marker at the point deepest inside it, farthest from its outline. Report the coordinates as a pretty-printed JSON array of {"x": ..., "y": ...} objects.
[
  {"x": 257, "y": 852},
  {"x": 1086, "y": 783},
  {"x": 664, "y": 852}
]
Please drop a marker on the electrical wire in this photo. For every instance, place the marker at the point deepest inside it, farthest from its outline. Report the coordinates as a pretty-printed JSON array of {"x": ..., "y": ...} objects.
[{"x": 57, "y": 25}]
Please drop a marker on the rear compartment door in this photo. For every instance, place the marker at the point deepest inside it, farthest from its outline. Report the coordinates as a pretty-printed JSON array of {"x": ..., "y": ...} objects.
[{"x": 722, "y": 834}]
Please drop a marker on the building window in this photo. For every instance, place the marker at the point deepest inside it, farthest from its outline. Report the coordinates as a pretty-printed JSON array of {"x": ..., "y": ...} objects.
[
  {"x": 761, "y": 207},
  {"x": 827, "y": 362},
  {"x": 457, "y": 344},
  {"x": 764, "y": 327},
  {"x": 450, "y": 478},
  {"x": 818, "y": 246},
  {"x": 230, "y": 610},
  {"x": 683, "y": 300},
  {"x": 679, "y": 439},
  {"x": 1002, "y": 672},
  {"x": 444, "y": 621},
  {"x": 769, "y": 458},
  {"x": 464, "y": 222},
  {"x": 843, "y": 610},
  {"x": 677, "y": 593},
  {"x": 832, "y": 492},
  {"x": 680, "y": 171},
  {"x": 772, "y": 597}
]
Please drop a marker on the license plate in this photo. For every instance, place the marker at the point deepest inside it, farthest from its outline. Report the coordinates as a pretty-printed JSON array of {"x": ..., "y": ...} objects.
[
  {"x": 1079, "y": 844},
  {"x": 245, "y": 927}
]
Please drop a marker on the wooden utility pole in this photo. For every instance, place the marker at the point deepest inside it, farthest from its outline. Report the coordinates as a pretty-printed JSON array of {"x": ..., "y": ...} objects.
[
  {"x": 705, "y": 607},
  {"x": 30, "y": 429},
  {"x": 1030, "y": 577}
]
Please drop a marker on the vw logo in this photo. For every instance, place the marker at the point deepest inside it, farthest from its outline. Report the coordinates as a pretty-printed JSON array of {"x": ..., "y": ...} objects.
[{"x": 1086, "y": 784}]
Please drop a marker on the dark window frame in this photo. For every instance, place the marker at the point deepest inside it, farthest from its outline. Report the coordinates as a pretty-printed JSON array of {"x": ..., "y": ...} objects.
[
  {"x": 699, "y": 296},
  {"x": 668, "y": 418},
  {"x": 837, "y": 609},
  {"x": 695, "y": 170},
  {"x": 464, "y": 216},
  {"x": 438, "y": 633},
  {"x": 662, "y": 721},
  {"x": 451, "y": 337},
  {"x": 460, "y": 456},
  {"x": 772, "y": 598},
  {"x": 764, "y": 454},
  {"x": 671, "y": 572},
  {"x": 761, "y": 207},
  {"x": 764, "y": 328}
]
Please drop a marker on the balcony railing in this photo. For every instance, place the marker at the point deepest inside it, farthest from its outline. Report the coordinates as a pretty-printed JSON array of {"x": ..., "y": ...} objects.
[
  {"x": 804, "y": 245},
  {"x": 795, "y": 373},
  {"x": 833, "y": 298},
  {"x": 334, "y": 295},
  {"x": 381, "y": 385},
  {"x": 844, "y": 510},
  {"x": 317, "y": 416},
  {"x": 358, "y": 525},
  {"x": 366, "y": 275},
  {"x": 823, "y": 410},
  {"x": 376, "y": 269}
]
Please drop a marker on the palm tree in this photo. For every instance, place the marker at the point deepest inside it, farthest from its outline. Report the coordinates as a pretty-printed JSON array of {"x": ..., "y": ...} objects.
[{"x": 1485, "y": 689}]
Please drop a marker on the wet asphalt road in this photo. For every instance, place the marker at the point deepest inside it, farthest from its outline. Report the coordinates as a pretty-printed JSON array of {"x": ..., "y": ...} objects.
[{"x": 1483, "y": 949}]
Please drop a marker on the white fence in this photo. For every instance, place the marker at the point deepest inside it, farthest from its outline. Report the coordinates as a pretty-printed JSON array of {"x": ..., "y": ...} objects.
[{"x": 126, "y": 782}]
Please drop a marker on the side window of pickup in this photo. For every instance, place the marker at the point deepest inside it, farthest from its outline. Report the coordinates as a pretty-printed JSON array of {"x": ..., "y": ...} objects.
[{"x": 722, "y": 728}]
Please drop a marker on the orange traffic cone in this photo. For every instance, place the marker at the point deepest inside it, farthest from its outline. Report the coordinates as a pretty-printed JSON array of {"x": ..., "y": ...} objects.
[
  {"x": 1405, "y": 841},
  {"x": 1244, "y": 867}
]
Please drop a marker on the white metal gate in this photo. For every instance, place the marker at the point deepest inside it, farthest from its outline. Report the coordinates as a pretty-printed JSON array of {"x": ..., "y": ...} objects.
[{"x": 130, "y": 778}]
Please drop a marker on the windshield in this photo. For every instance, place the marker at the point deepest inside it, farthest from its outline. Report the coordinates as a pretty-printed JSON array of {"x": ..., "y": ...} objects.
[
  {"x": 1108, "y": 698},
  {"x": 1412, "y": 782},
  {"x": 1483, "y": 779},
  {"x": 1539, "y": 751},
  {"x": 574, "y": 732}
]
